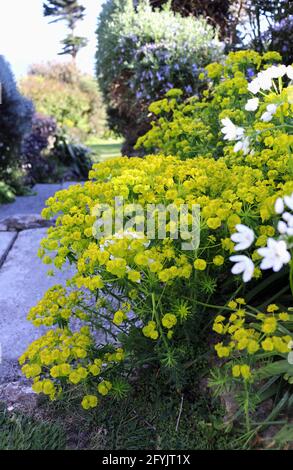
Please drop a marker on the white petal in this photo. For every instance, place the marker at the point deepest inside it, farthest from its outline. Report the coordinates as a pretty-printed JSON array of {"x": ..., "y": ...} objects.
[
  {"x": 287, "y": 216},
  {"x": 277, "y": 266},
  {"x": 254, "y": 86},
  {"x": 290, "y": 72},
  {"x": 238, "y": 258},
  {"x": 289, "y": 202},
  {"x": 279, "y": 206},
  {"x": 266, "y": 117},
  {"x": 248, "y": 273},
  {"x": 252, "y": 104},
  {"x": 271, "y": 108},
  {"x": 238, "y": 268},
  {"x": 276, "y": 71},
  {"x": 265, "y": 80},
  {"x": 226, "y": 122},
  {"x": 267, "y": 263},
  {"x": 238, "y": 146},
  {"x": 239, "y": 131},
  {"x": 282, "y": 227}
]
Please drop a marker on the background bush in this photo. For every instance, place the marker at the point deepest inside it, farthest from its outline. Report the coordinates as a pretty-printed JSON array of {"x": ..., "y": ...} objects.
[
  {"x": 67, "y": 95},
  {"x": 15, "y": 122},
  {"x": 50, "y": 154},
  {"x": 36, "y": 147},
  {"x": 140, "y": 57}
]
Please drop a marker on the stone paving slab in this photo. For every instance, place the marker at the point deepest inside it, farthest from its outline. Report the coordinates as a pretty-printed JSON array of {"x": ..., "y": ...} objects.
[
  {"x": 34, "y": 203},
  {"x": 23, "y": 282},
  {"x": 18, "y": 222},
  {"x": 6, "y": 240}
]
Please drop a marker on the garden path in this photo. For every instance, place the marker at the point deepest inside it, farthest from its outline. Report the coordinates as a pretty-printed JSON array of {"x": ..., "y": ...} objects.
[{"x": 23, "y": 277}]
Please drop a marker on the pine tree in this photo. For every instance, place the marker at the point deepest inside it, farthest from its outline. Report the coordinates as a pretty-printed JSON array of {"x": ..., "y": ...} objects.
[{"x": 71, "y": 12}]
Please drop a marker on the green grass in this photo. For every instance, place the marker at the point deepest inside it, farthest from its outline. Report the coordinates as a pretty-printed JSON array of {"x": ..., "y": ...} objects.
[
  {"x": 104, "y": 149},
  {"x": 20, "y": 432},
  {"x": 148, "y": 419}
]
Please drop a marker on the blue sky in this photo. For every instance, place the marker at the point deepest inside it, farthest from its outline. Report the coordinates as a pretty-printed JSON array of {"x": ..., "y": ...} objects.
[{"x": 26, "y": 37}]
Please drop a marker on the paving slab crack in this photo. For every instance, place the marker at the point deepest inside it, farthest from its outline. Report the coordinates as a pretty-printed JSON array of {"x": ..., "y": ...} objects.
[{"x": 5, "y": 253}]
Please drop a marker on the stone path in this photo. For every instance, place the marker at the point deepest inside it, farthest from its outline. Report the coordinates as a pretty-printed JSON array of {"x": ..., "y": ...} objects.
[{"x": 23, "y": 279}]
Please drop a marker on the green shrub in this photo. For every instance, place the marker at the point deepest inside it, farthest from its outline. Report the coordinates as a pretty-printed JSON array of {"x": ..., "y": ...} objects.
[
  {"x": 140, "y": 57},
  {"x": 50, "y": 155},
  {"x": 15, "y": 121},
  {"x": 71, "y": 98}
]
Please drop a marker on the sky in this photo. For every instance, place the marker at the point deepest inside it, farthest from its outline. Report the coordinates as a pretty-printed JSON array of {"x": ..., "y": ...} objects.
[{"x": 26, "y": 37}]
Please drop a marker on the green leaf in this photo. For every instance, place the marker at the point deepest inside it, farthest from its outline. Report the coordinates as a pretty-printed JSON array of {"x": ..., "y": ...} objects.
[{"x": 275, "y": 368}]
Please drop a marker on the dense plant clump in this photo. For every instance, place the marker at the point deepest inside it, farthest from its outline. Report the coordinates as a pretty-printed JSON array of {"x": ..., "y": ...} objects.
[
  {"x": 223, "y": 13},
  {"x": 137, "y": 300},
  {"x": 192, "y": 127},
  {"x": 36, "y": 147},
  {"x": 50, "y": 155},
  {"x": 71, "y": 98},
  {"x": 15, "y": 122},
  {"x": 140, "y": 57}
]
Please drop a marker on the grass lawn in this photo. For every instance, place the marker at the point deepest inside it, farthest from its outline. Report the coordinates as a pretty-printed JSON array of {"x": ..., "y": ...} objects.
[{"x": 104, "y": 149}]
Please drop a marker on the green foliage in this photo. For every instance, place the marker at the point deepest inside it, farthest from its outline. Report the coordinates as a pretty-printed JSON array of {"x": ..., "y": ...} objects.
[
  {"x": 50, "y": 155},
  {"x": 15, "y": 121},
  {"x": 148, "y": 419},
  {"x": 223, "y": 13},
  {"x": 72, "y": 156},
  {"x": 71, "y": 98},
  {"x": 19, "y": 432},
  {"x": 6, "y": 194},
  {"x": 189, "y": 128},
  {"x": 139, "y": 58},
  {"x": 71, "y": 12}
]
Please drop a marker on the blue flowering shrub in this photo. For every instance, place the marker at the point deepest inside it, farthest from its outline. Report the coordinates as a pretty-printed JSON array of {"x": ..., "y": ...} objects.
[
  {"x": 15, "y": 121},
  {"x": 140, "y": 58}
]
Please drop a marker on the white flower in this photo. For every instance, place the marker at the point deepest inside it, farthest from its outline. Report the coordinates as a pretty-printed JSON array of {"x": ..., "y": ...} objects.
[
  {"x": 244, "y": 237},
  {"x": 242, "y": 145},
  {"x": 254, "y": 86},
  {"x": 252, "y": 104},
  {"x": 276, "y": 71},
  {"x": 279, "y": 206},
  {"x": 271, "y": 108},
  {"x": 274, "y": 255},
  {"x": 231, "y": 131},
  {"x": 265, "y": 80},
  {"x": 282, "y": 227},
  {"x": 266, "y": 116},
  {"x": 290, "y": 72},
  {"x": 243, "y": 266},
  {"x": 289, "y": 201},
  {"x": 245, "y": 145},
  {"x": 238, "y": 146},
  {"x": 287, "y": 216}
]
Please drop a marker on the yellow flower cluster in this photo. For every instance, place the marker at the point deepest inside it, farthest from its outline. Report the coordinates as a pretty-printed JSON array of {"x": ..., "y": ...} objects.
[
  {"x": 193, "y": 128},
  {"x": 148, "y": 277},
  {"x": 248, "y": 333},
  {"x": 57, "y": 307},
  {"x": 150, "y": 330},
  {"x": 63, "y": 357}
]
